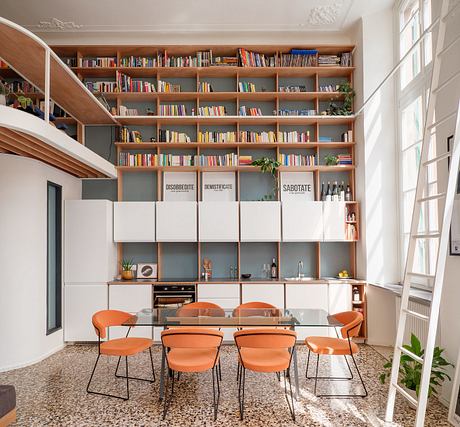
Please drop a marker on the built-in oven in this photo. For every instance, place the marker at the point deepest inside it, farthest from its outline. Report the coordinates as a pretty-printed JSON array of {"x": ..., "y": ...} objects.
[{"x": 173, "y": 296}]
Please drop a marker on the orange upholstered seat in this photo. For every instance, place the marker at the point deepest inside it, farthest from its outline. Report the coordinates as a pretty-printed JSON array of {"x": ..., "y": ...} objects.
[
  {"x": 327, "y": 345},
  {"x": 265, "y": 359},
  {"x": 125, "y": 346},
  {"x": 191, "y": 359}
]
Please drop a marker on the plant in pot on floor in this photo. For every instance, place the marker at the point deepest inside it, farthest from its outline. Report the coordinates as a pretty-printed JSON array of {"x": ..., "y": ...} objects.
[
  {"x": 410, "y": 371},
  {"x": 127, "y": 269},
  {"x": 269, "y": 166}
]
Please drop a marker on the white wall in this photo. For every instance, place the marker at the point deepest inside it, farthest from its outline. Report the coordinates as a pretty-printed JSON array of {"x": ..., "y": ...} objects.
[{"x": 23, "y": 253}]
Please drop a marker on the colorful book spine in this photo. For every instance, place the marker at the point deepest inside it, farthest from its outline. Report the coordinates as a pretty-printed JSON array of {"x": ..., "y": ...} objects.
[
  {"x": 167, "y": 135},
  {"x": 168, "y": 87},
  {"x": 296, "y": 160},
  {"x": 294, "y": 136},
  {"x": 230, "y": 159},
  {"x": 97, "y": 62},
  {"x": 246, "y": 87},
  {"x": 250, "y": 111},
  {"x": 173, "y": 110},
  {"x": 250, "y": 136},
  {"x": 205, "y": 87},
  {"x": 245, "y": 160},
  {"x": 212, "y": 110},
  {"x": 216, "y": 136},
  {"x": 138, "y": 61}
]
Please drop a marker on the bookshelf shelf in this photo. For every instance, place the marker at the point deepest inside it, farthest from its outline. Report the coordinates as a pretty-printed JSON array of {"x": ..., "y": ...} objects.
[{"x": 224, "y": 145}]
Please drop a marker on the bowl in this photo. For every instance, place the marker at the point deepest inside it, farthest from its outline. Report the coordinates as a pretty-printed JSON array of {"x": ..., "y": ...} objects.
[{"x": 246, "y": 275}]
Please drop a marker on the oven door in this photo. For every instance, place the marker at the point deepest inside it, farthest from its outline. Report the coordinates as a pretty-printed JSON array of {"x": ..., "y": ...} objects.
[{"x": 171, "y": 300}]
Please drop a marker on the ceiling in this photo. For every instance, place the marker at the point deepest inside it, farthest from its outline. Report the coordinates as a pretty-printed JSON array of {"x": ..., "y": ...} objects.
[{"x": 83, "y": 17}]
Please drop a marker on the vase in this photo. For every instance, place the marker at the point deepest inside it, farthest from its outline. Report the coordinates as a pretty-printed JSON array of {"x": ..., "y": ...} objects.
[{"x": 127, "y": 275}]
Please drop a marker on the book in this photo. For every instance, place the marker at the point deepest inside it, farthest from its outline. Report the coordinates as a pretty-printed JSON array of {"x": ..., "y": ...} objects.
[
  {"x": 245, "y": 160},
  {"x": 97, "y": 62}
]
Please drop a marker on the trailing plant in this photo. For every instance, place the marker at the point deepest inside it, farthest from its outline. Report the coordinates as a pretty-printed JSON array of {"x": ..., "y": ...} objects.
[
  {"x": 127, "y": 264},
  {"x": 268, "y": 165},
  {"x": 410, "y": 370},
  {"x": 347, "y": 105},
  {"x": 331, "y": 160},
  {"x": 24, "y": 102}
]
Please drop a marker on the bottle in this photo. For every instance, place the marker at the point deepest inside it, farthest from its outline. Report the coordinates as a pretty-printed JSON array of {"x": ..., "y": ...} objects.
[
  {"x": 328, "y": 192},
  {"x": 356, "y": 296},
  {"x": 308, "y": 136},
  {"x": 322, "y": 196},
  {"x": 348, "y": 193},
  {"x": 335, "y": 193},
  {"x": 274, "y": 270},
  {"x": 342, "y": 192}
]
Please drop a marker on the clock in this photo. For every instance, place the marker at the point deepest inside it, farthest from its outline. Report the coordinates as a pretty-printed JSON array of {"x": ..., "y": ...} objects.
[{"x": 146, "y": 271}]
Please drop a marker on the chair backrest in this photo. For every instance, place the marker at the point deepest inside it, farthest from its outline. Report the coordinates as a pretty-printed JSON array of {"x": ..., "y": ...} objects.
[
  {"x": 191, "y": 338},
  {"x": 249, "y": 309},
  {"x": 105, "y": 318},
  {"x": 202, "y": 308},
  {"x": 351, "y": 320},
  {"x": 265, "y": 338}
]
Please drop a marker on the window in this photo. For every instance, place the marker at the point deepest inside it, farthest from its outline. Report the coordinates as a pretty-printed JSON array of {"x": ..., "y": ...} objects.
[
  {"x": 414, "y": 17},
  {"x": 54, "y": 259}
]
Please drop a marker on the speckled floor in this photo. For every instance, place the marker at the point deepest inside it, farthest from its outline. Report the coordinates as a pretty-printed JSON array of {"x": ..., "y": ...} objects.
[{"x": 53, "y": 393}]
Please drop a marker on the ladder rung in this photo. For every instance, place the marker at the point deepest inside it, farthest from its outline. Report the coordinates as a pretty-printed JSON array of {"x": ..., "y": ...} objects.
[
  {"x": 443, "y": 120},
  {"x": 446, "y": 83},
  {"x": 437, "y": 159},
  {"x": 410, "y": 354},
  {"x": 405, "y": 394},
  {"x": 426, "y": 236},
  {"x": 433, "y": 197},
  {"x": 452, "y": 43},
  {"x": 425, "y": 276},
  {"x": 417, "y": 315}
]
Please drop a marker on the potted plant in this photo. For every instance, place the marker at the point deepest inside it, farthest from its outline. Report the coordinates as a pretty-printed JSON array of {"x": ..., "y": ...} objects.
[
  {"x": 346, "y": 108},
  {"x": 410, "y": 370},
  {"x": 270, "y": 166},
  {"x": 127, "y": 269},
  {"x": 331, "y": 160}
]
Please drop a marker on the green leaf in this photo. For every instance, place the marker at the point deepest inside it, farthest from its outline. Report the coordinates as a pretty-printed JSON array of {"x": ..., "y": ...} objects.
[{"x": 416, "y": 345}]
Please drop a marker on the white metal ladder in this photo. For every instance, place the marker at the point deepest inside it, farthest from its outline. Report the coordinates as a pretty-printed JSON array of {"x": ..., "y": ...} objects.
[{"x": 442, "y": 235}]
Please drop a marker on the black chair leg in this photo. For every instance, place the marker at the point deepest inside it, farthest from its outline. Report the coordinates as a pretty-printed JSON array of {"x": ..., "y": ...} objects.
[
  {"x": 241, "y": 391},
  {"x": 106, "y": 394},
  {"x": 168, "y": 399},
  {"x": 136, "y": 378},
  {"x": 360, "y": 377},
  {"x": 278, "y": 375},
  {"x": 291, "y": 403},
  {"x": 220, "y": 371},
  {"x": 215, "y": 399}
]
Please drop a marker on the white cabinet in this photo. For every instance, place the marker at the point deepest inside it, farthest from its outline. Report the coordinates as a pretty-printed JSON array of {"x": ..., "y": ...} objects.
[
  {"x": 130, "y": 298},
  {"x": 134, "y": 221},
  {"x": 302, "y": 221},
  {"x": 176, "y": 221},
  {"x": 308, "y": 296},
  {"x": 218, "y": 221},
  {"x": 81, "y": 302},
  {"x": 260, "y": 221},
  {"x": 334, "y": 221},
  {"x": 339, "y": 297},
  {"x": 225, "y": 296},
  {"x": 269, "y": 293},
  {"x": 90, "y": 253}
]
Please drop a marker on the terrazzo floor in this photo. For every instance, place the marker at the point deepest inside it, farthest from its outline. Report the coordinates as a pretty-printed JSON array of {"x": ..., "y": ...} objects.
[{"x": 53, "y": 393}]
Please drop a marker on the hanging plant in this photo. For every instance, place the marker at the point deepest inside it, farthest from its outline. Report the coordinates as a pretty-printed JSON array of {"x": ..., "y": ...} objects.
[
  {"x": 347, "y": 105},
  {"x": 270, "y": 166}
]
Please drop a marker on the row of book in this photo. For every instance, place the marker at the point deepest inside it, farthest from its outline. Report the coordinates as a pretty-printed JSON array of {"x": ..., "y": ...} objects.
[
  {"x": 251, "y": 136},
  {"x": 216, "y": 136},
  {"x": 351, "y": 232},
  {"x": 138, "y": 61},
  {"x": 205, "y": 87},
  {"x": 126, "y": 83},
  {"x": 250, "y": 111},
  {"x": 294, "y": 136},
  {"x": 230, "y": 159},
  {"x": 212, "y": 110},
  {"x": 130, "y": 136},
  {"x": 344, "y": 159},
  {"x": 296, "y": 160},
  {"x": 166, "y": 135},
  {"x": 246, "y": 87},
  {"x": 99, "y": 61},
  {"x": 20, "y": 86},
  {"x": 329, "y": 60},
  {"x": 168, "y": 87},
  {"x": 284, "y": 112},
  {"x": 101, "y": 86},
  {"x": 299, "y": 88},
  {"x": 255, "y": 59},
  {"x": 70, "y": 61},
  {"x": 299, "y": 58},
  {"x": 172, "y": 110},
  {"x": 329, "y": 88},
  {"x": 150, "y": 159},
  {"x": 201, "y": 59}
]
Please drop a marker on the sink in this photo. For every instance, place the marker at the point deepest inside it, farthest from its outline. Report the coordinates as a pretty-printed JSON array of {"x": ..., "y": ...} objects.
[{"x": 299, "y": 279}]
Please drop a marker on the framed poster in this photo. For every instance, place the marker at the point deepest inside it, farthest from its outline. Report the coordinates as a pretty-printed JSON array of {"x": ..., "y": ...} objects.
[
  {"x": 297, "y": 186},
  {"x": 218, "y": 186},
  {"x": 454, "y": 238},
  {"x": 179, "y": 186}
]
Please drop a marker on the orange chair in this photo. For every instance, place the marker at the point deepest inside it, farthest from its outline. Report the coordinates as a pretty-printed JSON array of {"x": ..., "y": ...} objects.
[
  {"x": 265, "y": 350},
  {"x": 192, "y": 350},
  {"x": 121, "y": 347},
  {"x": 344, "y": 346},
  {"x": 201, "y": 308}
]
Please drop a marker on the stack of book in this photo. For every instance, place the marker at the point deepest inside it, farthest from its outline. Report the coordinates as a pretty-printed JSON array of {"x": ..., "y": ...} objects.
[
  {"x": 295, "y": 112},
  {"x": 344, "y": 159},
  {"x": 168, "y": 87},
  {"x": 130, "y": 136},
  {"x": 296, "y": 160},
  {"x": 300, "y": 58},
  {"x": 301, "y": 88},
  {"x": 98, "y": 62},
  {"x": 205, "y": 87},
  {"x": 125, "y": 111},
  {"x": 246, "y": 87},
  {"x": 173, "y": 110},
  {"x": 216, "y": 136},
  {"x": 212, "y": 110},
  {"x": 250, "y": 136},
  {"x": 167, "y": 135},
  {"x": 144, "y": 159},
  {"x": 328, "y": 60},
  {"x": 250, "y": 111},
  {"x": 254, "y": 59},
  {"x": 230, "y": 159},
  {"x": 126, "y": 83},
  {"x": 346, "y": 59},
  {"x": 245, "y": 160},
  {"x": 294, "y": 136},
  {"x": 101, "y": 86},
  {"x": 228, "y": 61},
  {"x": 138, "y": 61}
]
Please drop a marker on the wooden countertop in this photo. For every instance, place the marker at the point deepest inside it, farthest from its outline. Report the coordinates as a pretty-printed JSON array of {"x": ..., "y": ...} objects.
[{"x": 227, "y": 281}]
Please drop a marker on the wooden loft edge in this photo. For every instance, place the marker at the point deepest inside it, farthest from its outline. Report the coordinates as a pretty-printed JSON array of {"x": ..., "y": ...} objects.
[
  {"x": 33, "y": 137},
  {"x": 25, "y": 53}
]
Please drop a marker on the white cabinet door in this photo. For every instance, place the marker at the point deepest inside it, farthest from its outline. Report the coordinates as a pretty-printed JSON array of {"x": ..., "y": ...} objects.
[
  {"x": 269, "y": 293},
  {"x": 130, "y": 298},
  {"x": 334, "y": 221},
  {"x": 260, "y": 221},
  {"x": 176, "y": 221},
  {"x": 81, "y": 302},
  {"x": 218, "y": 221},
  {"x": 302, "y": 221},
  {"x": 308, "y": 296},
  {"x": 339, "y": 297},
  {"x": 134, "y": 221},
  {"x": 89, "y": 252}
]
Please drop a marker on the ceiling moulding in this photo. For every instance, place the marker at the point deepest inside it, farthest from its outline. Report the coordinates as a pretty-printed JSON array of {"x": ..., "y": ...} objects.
[
  {"x": 56, "y": 25},
  {"x": 325, "y": 15}
]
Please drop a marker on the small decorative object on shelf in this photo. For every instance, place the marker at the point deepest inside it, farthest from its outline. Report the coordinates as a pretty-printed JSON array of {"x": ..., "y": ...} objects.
[
  {"x": 147, "y": 271},
  {"x": 356, "y": 294},
  {"x": 344, "y": 275},
  {"x": 207, "y": 269},
  {"x": 127, "y": 272},
  {"x": 331, "y": 160}
]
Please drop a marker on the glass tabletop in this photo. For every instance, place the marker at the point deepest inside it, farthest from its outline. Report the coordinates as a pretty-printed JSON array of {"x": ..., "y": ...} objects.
[{"x": 213, "y": 317}]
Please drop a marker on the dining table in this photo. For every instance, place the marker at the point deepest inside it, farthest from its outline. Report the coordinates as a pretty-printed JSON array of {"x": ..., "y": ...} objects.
[{"x": 239, "y": 318}]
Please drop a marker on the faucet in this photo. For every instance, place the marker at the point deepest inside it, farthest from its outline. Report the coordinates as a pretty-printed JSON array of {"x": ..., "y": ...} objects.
[{"x": 299, "y": 269}]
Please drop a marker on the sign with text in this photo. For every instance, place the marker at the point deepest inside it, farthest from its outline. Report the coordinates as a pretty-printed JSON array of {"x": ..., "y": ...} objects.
[
  {"x": 179, "y": 186},
  {"x": 218, "y": 187},
  {"x": 297, "y": 186}
]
